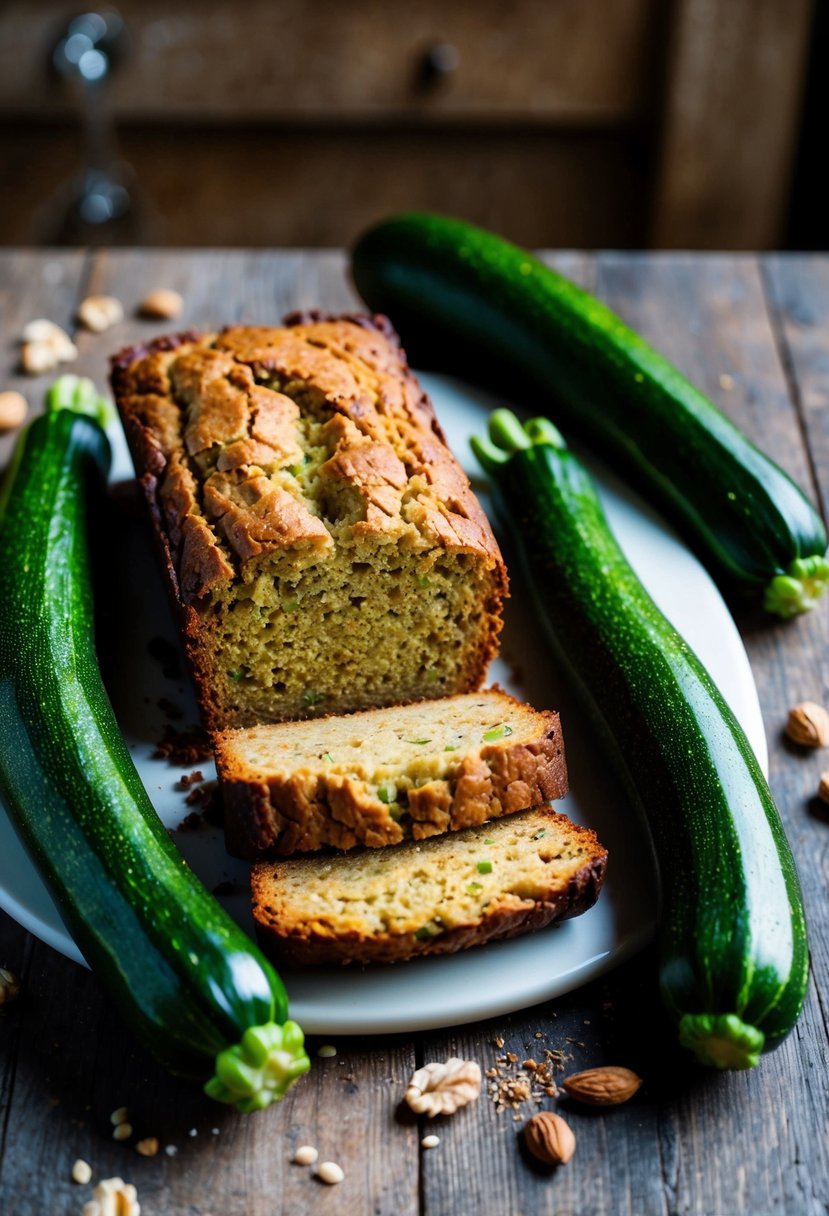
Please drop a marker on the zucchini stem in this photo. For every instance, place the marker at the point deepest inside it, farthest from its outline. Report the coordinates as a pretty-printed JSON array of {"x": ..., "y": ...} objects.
[
  {"x": 721, "y": 1040},
  {"x": 260, "y": 1069},
  {"x": 80, "y": 396},
  {"x": 799, "y": 589},
  {"x": 507, "y": 433}
]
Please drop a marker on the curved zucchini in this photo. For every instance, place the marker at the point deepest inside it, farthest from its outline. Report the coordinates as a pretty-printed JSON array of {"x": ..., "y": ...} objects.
[
  {"x": 449, "y": 286},
  {"x": 189, "y": 982},
  {"x": 733, "y": 950}
]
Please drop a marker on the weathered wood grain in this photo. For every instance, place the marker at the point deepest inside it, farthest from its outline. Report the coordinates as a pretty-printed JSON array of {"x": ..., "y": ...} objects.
[
  {"x": 733, "y": 84},
  {"x": 690, "y": 1143},
  {"x": 798, "y": 288},
  {"x": 710, "y": 316}
]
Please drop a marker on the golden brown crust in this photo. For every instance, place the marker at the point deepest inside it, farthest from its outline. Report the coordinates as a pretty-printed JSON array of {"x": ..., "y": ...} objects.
[
  {"x": 382, "y": 435},
  {"x": 309, "y": 943},
  {"x": 215, "y": 449},
  {"x": 276, "y": 814}
]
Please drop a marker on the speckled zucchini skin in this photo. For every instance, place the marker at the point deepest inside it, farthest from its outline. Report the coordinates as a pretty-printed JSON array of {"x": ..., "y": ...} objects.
[
  {"x": 184, "y": 976},
  {"x": 732, "y": 927},
  {"x": 468, "y": 300}
]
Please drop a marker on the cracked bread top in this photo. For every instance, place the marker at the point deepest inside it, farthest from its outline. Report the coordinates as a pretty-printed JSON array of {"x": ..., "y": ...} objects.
[{"x": 283, "y": 440}]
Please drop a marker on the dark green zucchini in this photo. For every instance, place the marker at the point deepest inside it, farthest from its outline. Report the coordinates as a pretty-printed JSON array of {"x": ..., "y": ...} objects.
[
  {"x": 498, "y": 312},
  {"x": 188, "y": 981},
  {"x": 732, "y": 941}
]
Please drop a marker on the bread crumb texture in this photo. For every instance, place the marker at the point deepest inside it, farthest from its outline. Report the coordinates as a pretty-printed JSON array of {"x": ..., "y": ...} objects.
[
  {"x": 326, "y": 549},
  {"x": 499, "y": 880},
  {"x": 386, "y": 775}
]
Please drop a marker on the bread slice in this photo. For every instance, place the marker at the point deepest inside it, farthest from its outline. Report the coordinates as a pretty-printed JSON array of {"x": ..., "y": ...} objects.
[
  {"x": 385, "y": 775},
  {"x": 385, "y": 905},
  {"x": 323, "y": 547}
]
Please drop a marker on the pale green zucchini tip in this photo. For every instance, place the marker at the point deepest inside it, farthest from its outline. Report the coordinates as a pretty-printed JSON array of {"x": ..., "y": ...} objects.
[
  {"x": 799, "y": 589},
  {"x": 721, "y": 1040},
  {"x": 80, "y": 396},
  {"x": 260, "y": 1069}
]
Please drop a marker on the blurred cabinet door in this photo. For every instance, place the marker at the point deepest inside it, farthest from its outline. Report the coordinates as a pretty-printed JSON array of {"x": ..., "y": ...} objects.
[{"x": 559, "y": 122}]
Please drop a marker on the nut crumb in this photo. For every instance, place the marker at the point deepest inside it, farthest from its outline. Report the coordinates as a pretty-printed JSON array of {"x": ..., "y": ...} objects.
[
  {"x": 122, "y": 1131},
  {"x": 726, "y": 382},
  {"x": 120, "y": 1115},
  {"x": 510, "y": 1084},
  {"x": 81, "y": 1172},
  {"x": 163, "y": 304},
  {"x": 147, "y": 1147},
  {"x": 189, "y": 779},
  {"x": 822, "y": 793},
  {"x": 330, "y": 1173},
  {"x": 184, "y": 747},
  {"x": 430, "y": 1142},
  {"x": 306, "y": 1154}
]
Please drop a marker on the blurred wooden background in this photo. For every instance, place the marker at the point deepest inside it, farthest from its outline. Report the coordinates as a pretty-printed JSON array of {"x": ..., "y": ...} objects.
[{"x": 586, "y": 123}]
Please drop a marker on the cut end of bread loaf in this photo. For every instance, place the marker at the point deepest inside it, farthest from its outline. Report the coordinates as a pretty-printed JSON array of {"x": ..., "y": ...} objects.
[
  {"x": 324, "y": 547},
  {"x": 379, "y": 777},
  {"x": 497, "y": 881}
]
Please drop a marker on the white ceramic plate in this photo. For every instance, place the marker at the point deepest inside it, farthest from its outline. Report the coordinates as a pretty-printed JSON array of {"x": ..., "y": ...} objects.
[{"x": 478, "y": 983}]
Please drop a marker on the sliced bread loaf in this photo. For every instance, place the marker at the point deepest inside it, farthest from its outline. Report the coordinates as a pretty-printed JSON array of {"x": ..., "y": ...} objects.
[
  {"x": 385, "y": 775},
  {"x": 385, "y": 905}
]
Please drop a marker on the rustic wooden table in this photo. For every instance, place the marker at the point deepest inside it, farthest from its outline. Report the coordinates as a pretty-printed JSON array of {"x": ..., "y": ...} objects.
[{"x": 754, "y": 333}]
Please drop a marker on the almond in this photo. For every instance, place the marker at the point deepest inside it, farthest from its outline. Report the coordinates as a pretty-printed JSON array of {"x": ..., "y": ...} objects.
[
  {"x": 13, "y": 410},
  {"x": 549, "y": 1138},
  {"x": 161, "y": 305},
  {"x": 602, "y": 1086},
  {"x": 808, "y": 725}
]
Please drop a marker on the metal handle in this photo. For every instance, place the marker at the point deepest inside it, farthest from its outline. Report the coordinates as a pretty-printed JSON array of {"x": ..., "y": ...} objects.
[{"x": 438, "y": 62}]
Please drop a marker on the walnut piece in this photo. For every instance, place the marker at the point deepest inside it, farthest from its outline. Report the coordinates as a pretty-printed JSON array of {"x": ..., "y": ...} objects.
[
  {"x": 808, "y": 725},
  {"x": 98, "y": 313},
  {"x": 549, "y": 1138},
  {"x": 440, "y": 1089},
  {"x": 113, "y": 1197},
  {"x": 45, "y": 345},
  {"x": 823, "y": 787}
]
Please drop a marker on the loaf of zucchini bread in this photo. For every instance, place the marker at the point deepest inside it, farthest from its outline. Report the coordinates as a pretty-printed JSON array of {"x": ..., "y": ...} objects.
[
  {"x": 386, "y": 905},
  {"x": 382, "y": 776},
  {"x": 323, "y": 546}
]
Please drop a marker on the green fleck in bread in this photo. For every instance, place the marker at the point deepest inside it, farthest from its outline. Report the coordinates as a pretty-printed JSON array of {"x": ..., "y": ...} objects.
[
  {"x": 323, "y": 546},
  {"x": 379, "y": 777},
  {"x": 386, "y": 905}
]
